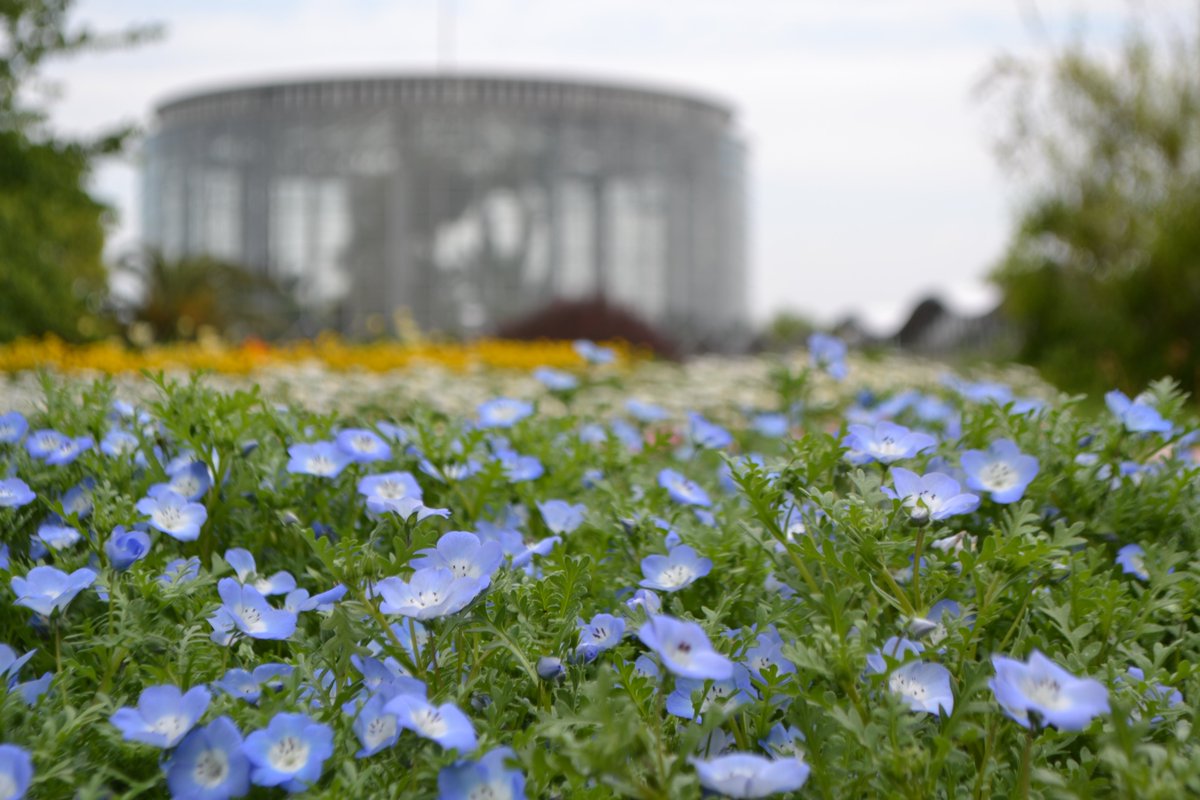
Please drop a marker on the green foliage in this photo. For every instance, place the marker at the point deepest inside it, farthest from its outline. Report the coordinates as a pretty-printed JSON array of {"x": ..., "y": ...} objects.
[
  {"x": 51, "y": 228},
  {"x": 805, "y": 542},
  {"x": 1102, "y": 274}
]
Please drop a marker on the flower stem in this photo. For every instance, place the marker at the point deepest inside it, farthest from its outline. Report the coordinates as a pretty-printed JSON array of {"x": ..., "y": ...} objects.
[
  {"x": 1026, "y": 758},
  {"x": 916, "y": 580}
]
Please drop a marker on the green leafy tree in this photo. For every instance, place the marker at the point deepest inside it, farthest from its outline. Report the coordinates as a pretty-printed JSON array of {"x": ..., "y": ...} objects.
[
  {"x": 51, "y": 228},
  {"x": 1102, "y": 274}
]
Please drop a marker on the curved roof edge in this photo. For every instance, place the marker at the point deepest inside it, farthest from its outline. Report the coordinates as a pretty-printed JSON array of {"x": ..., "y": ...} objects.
[{"x": 444, "y": 88}]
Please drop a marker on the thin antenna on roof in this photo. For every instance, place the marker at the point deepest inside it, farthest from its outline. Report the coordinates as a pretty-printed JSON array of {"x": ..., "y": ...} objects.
[{"x": 445, "y": 35}]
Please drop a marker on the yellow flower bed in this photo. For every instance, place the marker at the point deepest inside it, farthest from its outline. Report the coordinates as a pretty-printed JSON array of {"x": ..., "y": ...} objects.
[{"x": 217, "y": 356}]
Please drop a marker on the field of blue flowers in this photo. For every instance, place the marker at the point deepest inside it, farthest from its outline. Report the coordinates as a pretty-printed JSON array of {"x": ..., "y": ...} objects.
[{"x": 947, "y": 591}]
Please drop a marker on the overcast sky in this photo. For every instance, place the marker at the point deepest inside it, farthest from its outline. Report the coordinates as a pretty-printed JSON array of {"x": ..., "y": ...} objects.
[{"x": 871, "y": 179}]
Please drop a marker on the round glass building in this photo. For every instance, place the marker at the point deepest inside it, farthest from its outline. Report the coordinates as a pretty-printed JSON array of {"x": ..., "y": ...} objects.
[{"x": 462, "y": 201}]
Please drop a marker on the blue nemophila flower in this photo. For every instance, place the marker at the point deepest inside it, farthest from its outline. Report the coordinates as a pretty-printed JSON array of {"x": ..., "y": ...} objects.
[
  {"x": 827, "y": 353},
  {"x": 189, "y": 479},
  {"x": 518, "y": 468},
  {"x": 562, "y": 517},
  {"x": 248, "y": 686},
  {"x": 124, "y": 548},
  {"x": 46, "y": 589},
  {"x": 1136, "y": 415},
  {"x": 602, "y": 633},
  {"x": 247, "y": 610},
  {"x": 707, "y": 434},
  {"x": 684, "y": 648},
  {"x": 163, "y": 715},
  {"x": 729, "y": 693},
  {"x": 119, "y": 443},
  {"x": 375, "y": 726},
  {"x": 10, "y": 668},
  {"x": 77, "y": 501},
  {"x": 924, "y": 686},
  {"x": 503, "y": 412},
  {"x": 15, "y": 493},
  {"x": 682, "y": 490},
  {"x": 645, "y": 412},
  {"x": 429, "y": 593},
  {"x": 593, "y": 353},
  {"x": 1156, "y": 695},
  {"x": 16, "y": 771},
  {"x": 895, "y": 648},
  {"x": 749, "y": 775},
  {"x": 1041, "y": 692},
  {"x": 180, "y": 570},
  {"x": 289, "y": 752},
  {"x": 783, "y": 741},
  {"x": 933, "y": 626},
  {"x": 550, "y": 667},
  {"x": 299, "y": 600},
  {"x": 323, "y": 459},
  {"x": 679, "y": 568},
  {"x": 768, "y": 652},
  {"x": 444, "y": 724},
  {"x": 12, "y": 427},
  {"x": 209, "y": 764},
  {"x": 772, "y": 424},
  {"x": 1132, "y": 559},
  {"x": 1002, "y": 470},
  {"x": 486, "y": 778},
  {"x": 555, "y": 379},
  {"x": 384, "y": 491},
  {"x": 933, "y": 496},
  {"x": 645, "y": 599},
  {"x": 362, "y": 446},
  {"x": 55, "y": 448},
  {"x": 173, "y": 514},
  {"x": 464, "y": 554},
  {"x": 243, "y": 563},
  {"x": 57, "y": 534},
  {"x": 450, "y": 472},
  {"x": 885, "y": 442}
]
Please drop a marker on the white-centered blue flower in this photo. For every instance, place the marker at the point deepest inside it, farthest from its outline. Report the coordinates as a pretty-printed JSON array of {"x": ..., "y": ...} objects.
[
  {"x": 692, "y": 693},
  {"x": 16, "y": 771},
  {"x": 594, "y": 353},
  {"x": 1038, "y": 690},
  {"x": 55, "y": 448},
  {"x": 885, "y": 442},
  {"x": 375, "y": 726},
  {"x": 189, "y": 479},
  {"x": 503, "y": 412},
  {"x": 684, "y": 648},
  {"x": 464, "y": 554},
  {"x": 163, "y": 715},
  {"x": 679, "y": 568},
  {"x": 444, "y": 724},
  {"x": 562, "y": 517},
  {"x": 1132, "y": 559},
  {"x": 363, "y": 446},
  {"x": 1157, "y": 695},
  {"x": 429, "y": 593},
  {"x": 15, "y": 493},
  {"x": 56, "y": 534},
  {"x": 322, "y": 459},
  {"x": 827, "y": 353},
  {"x": 12, "y": 427},
  {"x": 643, "y": 411},
  {"x": 173, "y": 514},
  {"x": 682, "y": 490},
  {"x": 290, "y": 752},
  {"x": 248, "y": 686},
  {"x": 555, "y": 379},
  {"x": 244, "y": 565},
  {"x": 924, "y": 686},
  {"x": 1003, "y": 470},
  {"x": 489, "y": 778},
  {"x": 934, "y": 496},
  {"x": 896, "y": 649},
  {"x": 119, "y": 443},
  {"x": 249, "y": 612},
  {"x": 209, "y": 764},
  {"x": 707, "y": 434},
  {"x": 46, "y": 589},
  {"x": 1137, "y": 415},
  {"x": 748, "y": 775},
  {"x": 384, "y": 491},
  {"x": 602, "y": 633}
]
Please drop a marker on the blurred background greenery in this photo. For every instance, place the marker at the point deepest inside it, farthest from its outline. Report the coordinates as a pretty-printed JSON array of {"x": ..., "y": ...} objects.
[{"x": 1100, "y": 278}]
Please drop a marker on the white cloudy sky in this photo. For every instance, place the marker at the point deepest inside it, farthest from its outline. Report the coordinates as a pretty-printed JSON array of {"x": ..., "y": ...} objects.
[{"x": 871, "y": 179}]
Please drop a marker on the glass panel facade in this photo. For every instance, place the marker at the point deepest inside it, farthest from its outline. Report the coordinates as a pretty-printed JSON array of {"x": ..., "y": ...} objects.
[{"x": 467, "y": 201}]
